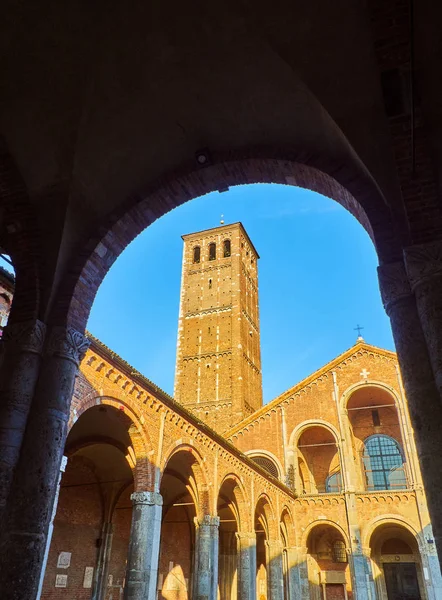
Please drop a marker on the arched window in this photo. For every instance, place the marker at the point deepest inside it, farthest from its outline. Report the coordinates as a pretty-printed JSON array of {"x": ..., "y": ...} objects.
[
  {"x": 333, "y": 483},
  {"x": 226, "y": 248},
  {"x": 339, "y": 552},
  {"x": 196, "y": 254},
  {"x": 267, "y": 464},
  {"x": 212, "y": 251},
  {"x": 383, "y": 464}
]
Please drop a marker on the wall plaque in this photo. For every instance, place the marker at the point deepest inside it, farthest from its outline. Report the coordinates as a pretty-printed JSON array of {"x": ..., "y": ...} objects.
[
  {"x": 61, "y": 581},
  {"x": 88, "y": 577}
]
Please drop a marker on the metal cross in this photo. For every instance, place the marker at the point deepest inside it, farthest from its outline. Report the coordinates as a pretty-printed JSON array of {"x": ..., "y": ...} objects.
[{"x": 358, "y": 328}]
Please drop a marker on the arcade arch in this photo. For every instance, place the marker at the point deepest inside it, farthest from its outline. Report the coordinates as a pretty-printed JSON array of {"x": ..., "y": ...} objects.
[
  {"x": 375, "y": 419},
  {"x": 396, "y": 561}
]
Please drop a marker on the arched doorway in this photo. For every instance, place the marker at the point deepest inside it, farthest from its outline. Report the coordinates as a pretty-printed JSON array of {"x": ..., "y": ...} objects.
[
  {"x": 91, "y": 533},
  {"x": 328, "y": 568},
  {"x": 397, "y": 563},
  {"x": 229, "y": 524},
  {"x": 181, "y": 490}
]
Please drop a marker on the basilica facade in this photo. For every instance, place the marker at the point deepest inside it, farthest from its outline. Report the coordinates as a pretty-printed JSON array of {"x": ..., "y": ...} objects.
[{"x": 210, "y": 494}]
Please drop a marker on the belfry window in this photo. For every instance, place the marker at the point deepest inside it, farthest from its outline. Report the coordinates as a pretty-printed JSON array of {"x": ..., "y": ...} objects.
[
  {"x": 226, "y": 248},
  {"x": 196, "y": 254},
  {"x": 383, "y": 464},
  {"x": 212, "y": 251}
]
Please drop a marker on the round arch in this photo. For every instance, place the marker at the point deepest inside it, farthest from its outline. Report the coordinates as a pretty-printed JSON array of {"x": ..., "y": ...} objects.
[
  {"x": 319, "y": 522},
  {"x": 299, "y": 430},
  {"x": 390, "y": 519},
  {"x": 267, "y": 454},
  {"x": 257, "y": 165},
  {"x": 287, "y": 524},
  {"x": 264, "y": 508},
  {"x": 369, "y": 383},
  {"x": 241, "y": 498}
]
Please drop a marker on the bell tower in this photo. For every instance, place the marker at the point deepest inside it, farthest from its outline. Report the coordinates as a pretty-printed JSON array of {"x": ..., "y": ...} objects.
[{"x": 218, "y": 366}]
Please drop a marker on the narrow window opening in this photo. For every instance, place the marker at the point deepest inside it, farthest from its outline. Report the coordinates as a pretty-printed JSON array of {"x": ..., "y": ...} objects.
[
  {"x": 210, "y": 284},
  {"x": 226, "y": 248},
  {"x": 196, "y": 254},
  {"x": 375, "y": 417},
  {"x": 212, "y": 251}
]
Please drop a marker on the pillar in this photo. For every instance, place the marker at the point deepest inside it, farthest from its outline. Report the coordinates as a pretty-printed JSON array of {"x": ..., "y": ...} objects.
[
  {"x": 206, "y": 560},
  {"x": 297, "y": 574},
  {"x": 21, "y": 348},
  {"x": 102, "y": 569},
  {"x": 424, "y": 402},
  {"x": 275, "y": 570},
  {"x": 144, "y": 547},
  {"x": 29, "y": 507},
  {"x": 362, "y": 575},
  {"x": 51, "y": 528},
  {"x": 247, "y": 566}
]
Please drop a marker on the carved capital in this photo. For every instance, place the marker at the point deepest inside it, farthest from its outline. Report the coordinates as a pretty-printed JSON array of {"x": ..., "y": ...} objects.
[
  {"x": 147, "y": 498},
  {"x": 67, "y": 343},
  {"x": 27, "y": 336},
  {"x": 423, "y": 262},
  {"x": 393, "y": 283}
]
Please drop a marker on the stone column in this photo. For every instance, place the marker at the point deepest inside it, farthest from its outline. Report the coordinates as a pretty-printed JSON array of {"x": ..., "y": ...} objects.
[
  {"x": 51, "y": 528},
  {"x": 275, "y": 572},
  {"x": 102, "y": 569},
  {"x": 424, "y": 402},
  {"x": 144, "y": 547},
  {"x": 21, "y": 348},
  {"x": 362, "y": 576},
  {"x": 206, "y": 561},
  {"x": 33, "y": 490},
  {"x": 297, "y": 574},
  {"x": 247, "y": 565}
]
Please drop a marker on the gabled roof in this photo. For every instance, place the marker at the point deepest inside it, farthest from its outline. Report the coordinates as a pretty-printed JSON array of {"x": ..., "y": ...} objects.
[{"x": 304, "y": 382}]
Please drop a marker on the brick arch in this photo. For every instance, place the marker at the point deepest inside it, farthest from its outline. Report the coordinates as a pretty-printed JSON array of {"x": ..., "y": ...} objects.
[
  {"x": 299, "y": 430},
  {"x": 143, "y": 468},
  {"x": 264, "y": 505},
  {"x": 354, "y": 190},
  {"x": 287, "y": 521},
  {"x": 392, "y": 519},
  {"x": 256, "y": 453},
  {"x": 204, "y": 499},
  {"x": 318, "y": 523},
  {"x": 20, "y": 239},
  {"x": 347, "y": 394},
  {"x": 242, "y": 500}
]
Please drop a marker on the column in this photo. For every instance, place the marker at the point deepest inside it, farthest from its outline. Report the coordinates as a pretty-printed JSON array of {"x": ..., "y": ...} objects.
[
  {"x": 144, "y": 547},
  {"x": 102, "y": 569},
  {"x": 423, "y": 397},
  {"x": 33, "y": 490},
  {"x": 22, "y": 345},
  {"x": 362, "y": 576},
  {"x": 206, "y": 560},
  {"x": 297, "y": 573},
  {"x": 51, "y": 528},
  {"x": 274, "y": 570},
  {"x": 247, "y": 565}
]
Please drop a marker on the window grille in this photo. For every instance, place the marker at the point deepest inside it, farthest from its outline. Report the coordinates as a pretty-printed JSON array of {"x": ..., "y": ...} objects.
[
  {"x": 196, "y": 254},
  {"x": 267, "y": 464},
  {"x": 339, "y": 552},
  {"x": 212, "y": 251},
  {"x": 383, "y": 464}
]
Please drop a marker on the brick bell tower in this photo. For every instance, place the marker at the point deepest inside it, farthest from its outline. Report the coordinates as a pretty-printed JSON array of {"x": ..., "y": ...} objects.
[{"x": 218, "y": 366}]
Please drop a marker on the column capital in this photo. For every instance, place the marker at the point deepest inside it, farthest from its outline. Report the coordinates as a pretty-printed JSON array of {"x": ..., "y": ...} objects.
[
  {"x": 147, "y": 498},
  {"x": 246, "y": 536},
  {"x": 423, "y": 262},
  {"x": 68, "y": 343},
  {"x": 209, "y": 521},
  {"x": 274, "y": 544},
  {"x": 393, "y": 283},
  {"x": 26, "y": 336}
]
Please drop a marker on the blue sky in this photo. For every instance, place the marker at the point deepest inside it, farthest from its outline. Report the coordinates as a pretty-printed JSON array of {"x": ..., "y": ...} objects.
[{"x": 317, "y": 281}]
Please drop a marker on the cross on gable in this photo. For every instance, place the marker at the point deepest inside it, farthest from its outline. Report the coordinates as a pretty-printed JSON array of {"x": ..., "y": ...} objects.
[{"x": 364, "y": 373}]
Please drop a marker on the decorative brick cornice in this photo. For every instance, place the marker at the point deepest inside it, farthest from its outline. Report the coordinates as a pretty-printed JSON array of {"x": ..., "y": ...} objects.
[
  {"x": 68, "y": 343},
  {"x": 27, "y": 336},
  {"x": 393, "y": 283},
  {"x": 146, "y": 498},
  {"x": 423, "y": 262}
]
